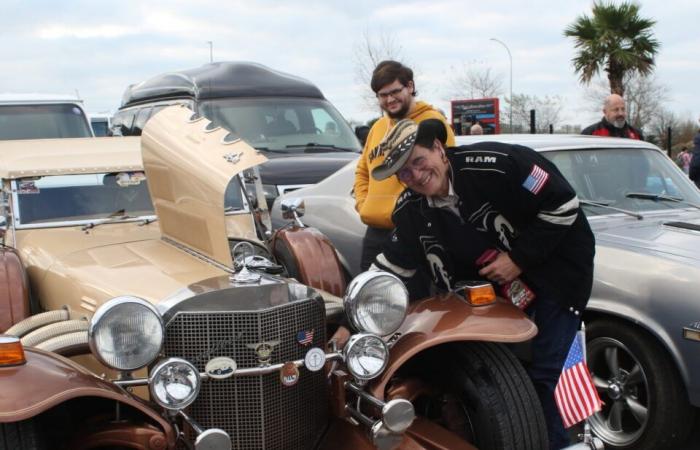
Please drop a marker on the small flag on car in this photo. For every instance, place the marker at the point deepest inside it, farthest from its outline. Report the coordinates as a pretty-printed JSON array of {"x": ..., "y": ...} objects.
[
  {"x": 305, "y": 337},
  {"x": 575, "y": 394}
]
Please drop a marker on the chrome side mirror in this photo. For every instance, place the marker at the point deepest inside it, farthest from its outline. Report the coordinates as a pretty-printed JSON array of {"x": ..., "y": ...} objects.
[{"x": 292, "y": 209}]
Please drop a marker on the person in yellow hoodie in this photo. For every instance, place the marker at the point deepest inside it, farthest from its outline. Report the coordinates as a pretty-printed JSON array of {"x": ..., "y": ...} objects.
[{"x": 393, "y": 84}]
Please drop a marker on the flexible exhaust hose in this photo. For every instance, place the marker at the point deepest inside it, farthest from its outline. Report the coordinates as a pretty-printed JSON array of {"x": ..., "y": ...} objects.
[
  {"x": 46, "y": 332},
  {"x": 39, "y": 320},
  {"x": 66, "y": 344}
]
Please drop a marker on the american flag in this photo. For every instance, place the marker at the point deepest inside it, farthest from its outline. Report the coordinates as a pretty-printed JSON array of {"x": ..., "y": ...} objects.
[
  {"x": 575, "y": 394},
  {"x": 536, "y": 180},
  {"x": 305, "y": 337}
]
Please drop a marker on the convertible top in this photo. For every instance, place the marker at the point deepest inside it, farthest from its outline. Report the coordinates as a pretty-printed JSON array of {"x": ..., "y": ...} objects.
[
  {"x": 40, "y": 157},
  {"x": 218, "y": 80}
]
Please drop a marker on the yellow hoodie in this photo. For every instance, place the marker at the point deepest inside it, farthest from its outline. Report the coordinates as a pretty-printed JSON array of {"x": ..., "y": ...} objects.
[{"x": 375, "y": 200}]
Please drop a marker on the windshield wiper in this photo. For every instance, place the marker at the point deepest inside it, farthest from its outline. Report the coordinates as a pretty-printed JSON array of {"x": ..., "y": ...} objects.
[
  {"x": 612, "y": 208},
  {"x": 116, "y": 216},
  {"x": 660, "y": 197},
  {"x": 313, "y": 147},
  {"x": 269, "y": 150}
]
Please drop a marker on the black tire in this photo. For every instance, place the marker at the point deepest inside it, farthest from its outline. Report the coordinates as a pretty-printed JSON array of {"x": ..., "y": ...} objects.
[
  {"x": 284, "y": 258},
  {"x": 498, "y": 401},
  {"x": 21, "y": 436},
  {"x": 646, "y": 405}
]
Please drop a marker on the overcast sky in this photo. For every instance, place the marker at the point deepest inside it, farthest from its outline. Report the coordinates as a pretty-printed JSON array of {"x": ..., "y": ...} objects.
[{"x": 99, "y": 47}]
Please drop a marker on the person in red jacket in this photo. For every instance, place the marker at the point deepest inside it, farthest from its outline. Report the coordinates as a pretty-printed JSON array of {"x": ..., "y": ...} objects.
[{"x": 614, "y": 121}]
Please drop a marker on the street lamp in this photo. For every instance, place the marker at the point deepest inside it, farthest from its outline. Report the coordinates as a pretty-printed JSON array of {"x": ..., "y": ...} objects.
[
  {"x": 511, "y": 80},
  {"x": 211, "y": 51}
]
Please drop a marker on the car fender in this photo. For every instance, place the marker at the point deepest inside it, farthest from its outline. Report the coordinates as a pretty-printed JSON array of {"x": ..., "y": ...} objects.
[
  {"x": 14, "y": 291},
  {"x": 315, "y": 257},
  {"x": 448, "y": 318},
  {"x": 47, "y": 380}
]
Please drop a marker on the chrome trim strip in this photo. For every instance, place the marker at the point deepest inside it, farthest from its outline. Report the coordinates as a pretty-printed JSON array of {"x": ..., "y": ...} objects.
[{"x": 247, "y": 372}]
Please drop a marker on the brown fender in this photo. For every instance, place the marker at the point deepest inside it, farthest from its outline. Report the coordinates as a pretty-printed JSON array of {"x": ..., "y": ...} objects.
[
  {"x": 448, "y": 318},
  {"x": 14, "y": 294},
  {"x": 47, "y": 380},
  {"x": 313, "y": 257}
]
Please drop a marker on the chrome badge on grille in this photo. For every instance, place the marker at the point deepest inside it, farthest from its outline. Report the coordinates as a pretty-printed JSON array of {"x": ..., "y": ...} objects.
[
  {"x": 263, "y": 351},
  {"x": 220, "y": 368}
]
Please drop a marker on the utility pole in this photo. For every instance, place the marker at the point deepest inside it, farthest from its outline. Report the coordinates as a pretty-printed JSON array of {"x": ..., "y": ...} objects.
[{"x": 510, "y": 58}]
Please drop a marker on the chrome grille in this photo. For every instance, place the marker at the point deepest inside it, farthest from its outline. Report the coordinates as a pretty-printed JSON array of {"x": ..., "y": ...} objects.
[{"x": 258, "y": 412}]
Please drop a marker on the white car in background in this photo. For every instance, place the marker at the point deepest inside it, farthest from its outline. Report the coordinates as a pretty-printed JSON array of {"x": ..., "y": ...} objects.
[{"x": 42, "y": 116}]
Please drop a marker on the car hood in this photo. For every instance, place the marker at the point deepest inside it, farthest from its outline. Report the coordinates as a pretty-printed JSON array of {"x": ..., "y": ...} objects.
[
  {"x": 308, "y": 168},
  {"x": 188, "y": 169},
  {"x": 671, "y": 234}
]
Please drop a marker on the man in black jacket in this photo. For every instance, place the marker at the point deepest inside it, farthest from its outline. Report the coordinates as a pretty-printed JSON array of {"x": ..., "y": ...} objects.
[
  {"x": 492, "y": 195},
  {"x": 614, "y": 121}
]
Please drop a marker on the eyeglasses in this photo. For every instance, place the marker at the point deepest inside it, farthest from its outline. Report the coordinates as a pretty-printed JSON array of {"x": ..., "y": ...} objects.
[
  {"x": 405, "y": 174},
  {"x": 392, "y": 93}
]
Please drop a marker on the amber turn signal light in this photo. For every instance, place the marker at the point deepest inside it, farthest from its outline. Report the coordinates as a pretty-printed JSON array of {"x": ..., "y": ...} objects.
[
  {"x": 479, "y": 294},
  {"x": 11, "y": 351}
]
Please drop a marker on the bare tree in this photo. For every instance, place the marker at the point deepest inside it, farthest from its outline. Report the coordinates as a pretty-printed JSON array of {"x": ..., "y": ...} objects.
[
  {"x": 368, "y": 52},
  {"x": 469, "y": 81},
  {"x": 644, "y": 97},
  {"x": 547, "y": 112}
]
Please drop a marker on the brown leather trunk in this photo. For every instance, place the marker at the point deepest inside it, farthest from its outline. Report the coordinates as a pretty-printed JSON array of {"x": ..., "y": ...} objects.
[{"x": 14, "y": 292}]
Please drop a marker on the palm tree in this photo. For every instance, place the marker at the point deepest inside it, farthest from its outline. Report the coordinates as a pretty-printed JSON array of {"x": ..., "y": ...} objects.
[{"x": 616, "y": 39}]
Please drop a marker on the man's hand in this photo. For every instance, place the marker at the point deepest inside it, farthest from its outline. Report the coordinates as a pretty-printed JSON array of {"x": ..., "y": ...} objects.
[{"x": 501, "y": 270}]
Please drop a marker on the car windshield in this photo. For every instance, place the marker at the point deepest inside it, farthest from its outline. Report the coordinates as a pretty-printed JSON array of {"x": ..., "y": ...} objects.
[
  {"x": 613, "y": 177},
  {"x": 43, "y": 122},
  {"x": 87, "y": 197},
  {"x": 100, "y": 127},
  {"x": 283, "y": 125}
]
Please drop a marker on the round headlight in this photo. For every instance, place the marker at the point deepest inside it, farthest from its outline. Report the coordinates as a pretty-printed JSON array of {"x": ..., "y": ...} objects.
[
  {"x": 376, "y": 302},
  {"x": 366, "y": 356},
  {"x": 174, "y": 383},
  {"x": 126, "y": 333}
]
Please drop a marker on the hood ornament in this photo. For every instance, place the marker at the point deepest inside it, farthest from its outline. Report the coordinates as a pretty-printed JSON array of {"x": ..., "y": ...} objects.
[
  {"x": 244, "y": 276},
  {"x": 263, "y": 350}
]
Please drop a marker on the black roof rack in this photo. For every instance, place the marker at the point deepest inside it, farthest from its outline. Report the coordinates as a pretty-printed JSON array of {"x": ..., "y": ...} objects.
[{"x": 218, "y": 80}]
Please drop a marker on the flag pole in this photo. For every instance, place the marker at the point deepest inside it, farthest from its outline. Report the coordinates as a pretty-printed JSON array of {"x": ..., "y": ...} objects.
[{"x": 588, "y": 438}]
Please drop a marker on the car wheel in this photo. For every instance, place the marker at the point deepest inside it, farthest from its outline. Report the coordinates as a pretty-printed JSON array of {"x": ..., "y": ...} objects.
[
  {"x": 645, "y": 403},
  {"x": 489, "y": 399},
  {"x": 20, "y": 436}
]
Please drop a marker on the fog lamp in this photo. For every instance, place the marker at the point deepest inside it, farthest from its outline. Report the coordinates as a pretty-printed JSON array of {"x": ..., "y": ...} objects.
[
  {"x": 174, "y": 383},
  {"x": 366, "y": 356}
]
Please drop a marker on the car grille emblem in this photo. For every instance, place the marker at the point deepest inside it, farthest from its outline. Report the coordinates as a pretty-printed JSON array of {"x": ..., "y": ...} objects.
[
  {"x": 305, "y": 337},
  {"x": 263, "y": 351},
  {"x": 220, "y": 368},
  {"x": 289, "y": 374}
]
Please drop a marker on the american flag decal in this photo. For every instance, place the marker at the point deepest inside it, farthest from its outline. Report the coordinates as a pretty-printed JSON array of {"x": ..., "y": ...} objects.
[
  {"x": 575, "y": 394},
  {"x": 305, "y": 337},
  {"x": 536, "y": 180}
]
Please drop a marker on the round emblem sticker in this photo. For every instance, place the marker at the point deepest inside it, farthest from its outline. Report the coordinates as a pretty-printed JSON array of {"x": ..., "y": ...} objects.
[
  {"x": 289, "y": 374},
  {"x": 220, "y": 368},
  {"x": 315, "y": 359}
]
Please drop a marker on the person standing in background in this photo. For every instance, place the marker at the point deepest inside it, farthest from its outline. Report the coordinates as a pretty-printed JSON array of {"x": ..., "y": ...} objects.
[
  {"x": 614, "y": 122},
  {"x": 393, "y": 84}
]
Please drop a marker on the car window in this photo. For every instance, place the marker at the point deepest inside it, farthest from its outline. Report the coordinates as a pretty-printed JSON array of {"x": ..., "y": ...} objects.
[
  {"x": 100, "y": 127},
  {"x": 68, "y": 198},
  {"x": 282, "y": 124},
  {"x": 43, "y": 122},
  {"x": 609, "y": 175},
  {"x": 122, "y": 122}
]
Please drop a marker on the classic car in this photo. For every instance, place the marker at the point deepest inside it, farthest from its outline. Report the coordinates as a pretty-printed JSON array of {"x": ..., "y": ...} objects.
[
  {"x": 643, "y": 318},
  {"x": 143, "y": 306}
]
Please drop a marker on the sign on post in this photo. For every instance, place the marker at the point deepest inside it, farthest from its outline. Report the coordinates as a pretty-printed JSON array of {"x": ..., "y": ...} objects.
[{"x": 484, "y": 111}]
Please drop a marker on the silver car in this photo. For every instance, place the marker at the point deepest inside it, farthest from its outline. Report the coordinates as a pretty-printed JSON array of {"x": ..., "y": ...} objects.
[{"x": 643, "y": 318}]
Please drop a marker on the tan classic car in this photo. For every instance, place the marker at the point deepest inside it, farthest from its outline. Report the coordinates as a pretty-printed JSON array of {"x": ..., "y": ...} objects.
[{"x": 145, "y": 306}]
